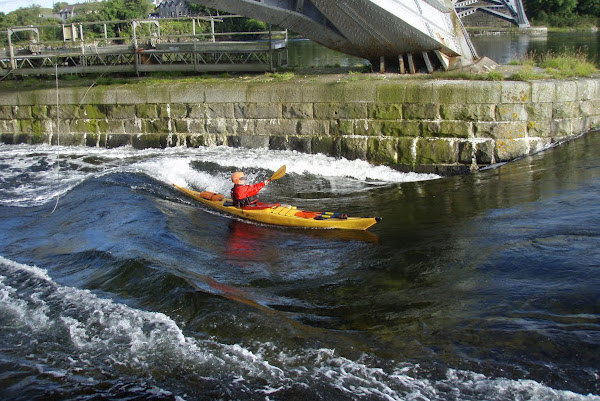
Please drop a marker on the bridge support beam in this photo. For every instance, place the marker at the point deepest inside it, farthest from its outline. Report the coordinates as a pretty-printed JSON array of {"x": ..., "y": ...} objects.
[{"x": 366, "y": 28}]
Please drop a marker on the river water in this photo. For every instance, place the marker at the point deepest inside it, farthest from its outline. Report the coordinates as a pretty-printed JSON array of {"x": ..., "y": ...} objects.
[
  {"x": 113, "y": 285},
  {"x": 501, "y": 48},
  {"x": 481, "y": 286}
]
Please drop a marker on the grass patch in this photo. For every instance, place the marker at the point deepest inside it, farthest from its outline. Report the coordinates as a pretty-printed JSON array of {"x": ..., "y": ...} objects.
[{"x": 566, "y": 64}]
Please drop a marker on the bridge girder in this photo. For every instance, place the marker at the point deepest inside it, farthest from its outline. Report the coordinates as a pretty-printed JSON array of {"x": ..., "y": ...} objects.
[{"x": 370, "y": 29}]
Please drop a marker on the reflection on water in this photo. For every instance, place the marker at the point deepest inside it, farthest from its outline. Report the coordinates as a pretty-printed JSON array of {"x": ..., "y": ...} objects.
[
  {"x": 500, "y": 48},
  {"x": 505, "y": 48}
]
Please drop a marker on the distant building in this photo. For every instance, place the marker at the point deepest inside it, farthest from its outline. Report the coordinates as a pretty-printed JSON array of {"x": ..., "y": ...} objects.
[{"x": 174, "y": 8}]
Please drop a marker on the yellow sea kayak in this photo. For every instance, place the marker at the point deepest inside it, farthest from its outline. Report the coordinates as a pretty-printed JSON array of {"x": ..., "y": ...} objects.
[{"x": 281, "y": 215}]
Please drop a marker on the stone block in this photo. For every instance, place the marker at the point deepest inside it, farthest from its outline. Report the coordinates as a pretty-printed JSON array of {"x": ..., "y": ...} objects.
[
  {"x": 144, "y": 141},
  {"x": 543, "y": 91},
  {"x": 391, "y": 92},
  {"x": 508, "y": 149},
  {"x": 187, "y": 93},
  {"x": 566, "y": 91},
  {"x": 327, "y": 145},
  {"x": 254, "y": 141},
  {"x": 420, "y": 111},
  {"x": 301, "y": 144},
  {"x": 385, "y": 111},
  {"x": 484, "y": 152},
  {"x": 125, "y": 111},
  {"x": 84, "y": 126},
  {"x": 181, "y": 126},
  {"x": 23, "y": 113},
  {"x": 452, "y": 92},
  {"x": 312, "y": 127},
  {"x": 197, "y": 111},
  {"x": 420, "y": 92},
  {"x": 340, "y": 127},
  {"x": 382, "y": 150},
  {"x": 539, "y": 144},
  {"x": 589, "y": 108},
  {"x": 10, "y": 98},
  {"x": 275, "y": 127},
  {"x": 297, "y": 110},
  {"x": 72, "y": 139},
  {"x": 483, "y": 92},
  {"x": 329, "y": 92},
  {"x": 360, "y": 92},
  {"x": 257, "y": 110},
  {"x": 92, "y": 111},
  {"x": 263, "y": 93},
  {"x": 9, "y": 126},
  {"x": 118, "y": 140},
  {"x": 436, "y": 151},
  {"x": 197, "y": 127},
  {"x": 225, "y": 92},
  {"x": 159, "y": 93},
  {"x": 219, "y": 110},
  {"x": 539, "y": 128},
  {"x": 354, "y": 147},
  {"x": 39, "y": 111},
  {"x": 65, "y": 112},
  {"x": 197, "y": 140},
  {"x": 177, "y": 110},
  {"x": 539, "y": 111},
  {"x": 332, "y": 111},
  {"x": 515, "y": 92},
  {"x": 245, "y": 126},
  {"x": 468, "y": 112},
  {"x": 146, "y": 111},
  {"x": 500, "y": 130},
  {"x": 561, "y": 110},
  {"x": 405, "y": 150},
  {"x": 447, "y": 129},
  {"x": 465, "y": 152},
  {"x": 132, "y": 127},
  {"x": 7, "y": 112},
  {"x": 131, "y": 94},
  {"x": 289, "y": 92},
  {"x": 512, "y": 112},
  {"x": 219, "y": 126}
]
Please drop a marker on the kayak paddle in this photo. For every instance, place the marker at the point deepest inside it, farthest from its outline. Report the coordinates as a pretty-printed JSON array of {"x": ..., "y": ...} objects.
[{"x": 278, "y": 174}]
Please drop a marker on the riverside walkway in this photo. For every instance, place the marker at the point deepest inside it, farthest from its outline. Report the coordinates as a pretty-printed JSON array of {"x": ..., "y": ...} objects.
[{"x": 77, "y": 49}]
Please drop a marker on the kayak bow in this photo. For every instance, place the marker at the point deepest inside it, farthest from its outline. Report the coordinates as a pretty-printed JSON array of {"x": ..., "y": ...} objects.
[{"x": 281, "y": 215}]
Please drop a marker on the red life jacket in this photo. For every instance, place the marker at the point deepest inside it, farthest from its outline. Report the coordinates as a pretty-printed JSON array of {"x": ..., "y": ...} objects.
[{"x": 244, "y": 195}]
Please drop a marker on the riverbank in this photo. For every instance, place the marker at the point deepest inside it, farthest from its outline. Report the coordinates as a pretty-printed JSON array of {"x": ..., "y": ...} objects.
[{"x": 430, "y": 125}]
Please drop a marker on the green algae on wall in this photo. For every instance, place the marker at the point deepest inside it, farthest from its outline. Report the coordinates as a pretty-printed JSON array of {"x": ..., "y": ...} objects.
[{"x": 421, "y": 125}]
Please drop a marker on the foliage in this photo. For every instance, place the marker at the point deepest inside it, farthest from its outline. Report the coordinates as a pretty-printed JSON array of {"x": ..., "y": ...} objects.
[{"x": 563, "y": 13}]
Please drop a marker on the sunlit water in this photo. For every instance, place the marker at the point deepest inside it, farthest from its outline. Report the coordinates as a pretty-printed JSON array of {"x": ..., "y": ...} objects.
[{"x": 482, "y": 286}]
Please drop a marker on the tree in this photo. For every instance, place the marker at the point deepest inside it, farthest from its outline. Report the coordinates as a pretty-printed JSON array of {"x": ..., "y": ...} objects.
[
  {"x": 113, "y": 10},
  {"x": 560, "y": 7},
  {"x": 589, "y": 7},
  {"x": 59, "y": 6}
]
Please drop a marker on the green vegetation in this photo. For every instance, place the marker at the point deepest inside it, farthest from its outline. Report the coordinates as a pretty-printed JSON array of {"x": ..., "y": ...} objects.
[{"x": 563, "y": 13}]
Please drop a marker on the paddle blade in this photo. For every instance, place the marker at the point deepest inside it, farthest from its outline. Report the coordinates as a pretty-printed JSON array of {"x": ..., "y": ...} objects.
[{"x": 279, "y": 173}]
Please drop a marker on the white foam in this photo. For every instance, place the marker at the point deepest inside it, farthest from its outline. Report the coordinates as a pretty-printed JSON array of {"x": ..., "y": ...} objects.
[
  {"x": 151, "y": 343},
  {"x": 35, "y": 178}
]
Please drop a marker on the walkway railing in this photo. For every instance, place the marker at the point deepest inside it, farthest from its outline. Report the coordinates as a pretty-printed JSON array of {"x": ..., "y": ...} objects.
[{"x": 190, "y": 44}]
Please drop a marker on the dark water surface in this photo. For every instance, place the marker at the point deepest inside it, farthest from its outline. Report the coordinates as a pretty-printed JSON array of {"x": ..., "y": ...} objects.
[{"x": 482, "y": 286}]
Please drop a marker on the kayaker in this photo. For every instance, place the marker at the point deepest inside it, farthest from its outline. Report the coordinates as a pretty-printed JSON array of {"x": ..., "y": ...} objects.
[{"x": 242, "y": 194}]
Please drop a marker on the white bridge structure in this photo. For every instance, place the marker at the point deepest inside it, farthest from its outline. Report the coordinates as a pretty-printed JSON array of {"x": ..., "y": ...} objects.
[{"x": 402, "y": 35}]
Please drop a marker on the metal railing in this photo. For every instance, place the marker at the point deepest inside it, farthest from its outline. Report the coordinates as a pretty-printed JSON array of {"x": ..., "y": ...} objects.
[{"x": 142, "y": 46}]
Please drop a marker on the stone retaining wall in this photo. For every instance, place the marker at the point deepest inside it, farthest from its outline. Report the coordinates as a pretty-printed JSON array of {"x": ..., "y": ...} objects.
[{"x": 418, "y": 125}]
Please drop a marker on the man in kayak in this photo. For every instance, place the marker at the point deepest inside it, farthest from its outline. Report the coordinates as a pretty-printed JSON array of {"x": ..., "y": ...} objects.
[{"x": 242, "y": 194}]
